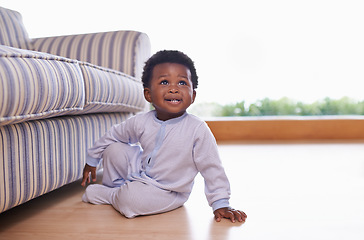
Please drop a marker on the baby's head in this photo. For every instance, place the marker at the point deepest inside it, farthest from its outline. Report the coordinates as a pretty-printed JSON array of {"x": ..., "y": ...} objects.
[
  {"x": 168, "y": 56},
  {"x": 169, "y": 80}
]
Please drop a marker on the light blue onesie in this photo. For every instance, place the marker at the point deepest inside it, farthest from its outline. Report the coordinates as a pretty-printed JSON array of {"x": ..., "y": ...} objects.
[{"x": 150, "y": 165}]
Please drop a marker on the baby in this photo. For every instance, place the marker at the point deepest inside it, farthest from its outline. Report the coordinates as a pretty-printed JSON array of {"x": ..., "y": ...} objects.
[{"x": 150, "y": 160}]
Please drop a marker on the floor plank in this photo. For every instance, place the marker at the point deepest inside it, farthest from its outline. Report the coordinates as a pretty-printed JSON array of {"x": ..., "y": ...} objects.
[{"x": 298, "y": 190}]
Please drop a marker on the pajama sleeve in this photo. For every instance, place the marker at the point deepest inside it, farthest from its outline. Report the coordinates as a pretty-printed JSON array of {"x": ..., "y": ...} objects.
[
  {"x": 123, "y": 132},
  {"x": 208, "y": 163}
]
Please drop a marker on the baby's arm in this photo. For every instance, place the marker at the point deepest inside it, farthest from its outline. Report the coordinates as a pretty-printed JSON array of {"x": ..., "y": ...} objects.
[{"x": 229, "y": 213}]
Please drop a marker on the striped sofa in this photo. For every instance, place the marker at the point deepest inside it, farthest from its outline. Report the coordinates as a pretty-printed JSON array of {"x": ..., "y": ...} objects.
[{"x": 57, "y": 96}]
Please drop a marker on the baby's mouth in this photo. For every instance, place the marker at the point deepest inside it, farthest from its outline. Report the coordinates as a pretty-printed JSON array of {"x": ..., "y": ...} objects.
[{"x": 173, "y": 100}]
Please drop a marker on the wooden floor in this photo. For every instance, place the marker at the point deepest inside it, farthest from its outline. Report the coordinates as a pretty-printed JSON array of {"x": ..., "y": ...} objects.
[{"x": 288, "y": 190}]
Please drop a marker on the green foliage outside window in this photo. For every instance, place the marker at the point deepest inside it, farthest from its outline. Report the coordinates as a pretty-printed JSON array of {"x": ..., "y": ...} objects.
[{"x": 283, "y": 106}]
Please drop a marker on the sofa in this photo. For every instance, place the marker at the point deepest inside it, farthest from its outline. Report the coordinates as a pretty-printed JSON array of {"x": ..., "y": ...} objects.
[{"x": 58, "y": 95}]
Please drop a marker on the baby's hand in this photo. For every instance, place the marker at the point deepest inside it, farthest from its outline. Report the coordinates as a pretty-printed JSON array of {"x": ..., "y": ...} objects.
[
  {"x": 86, "y": 175},
  {"x": 229, "y": 213}
]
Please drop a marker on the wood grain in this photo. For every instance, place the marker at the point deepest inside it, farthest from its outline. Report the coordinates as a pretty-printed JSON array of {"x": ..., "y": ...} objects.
[{"x": 289, "y": 190}]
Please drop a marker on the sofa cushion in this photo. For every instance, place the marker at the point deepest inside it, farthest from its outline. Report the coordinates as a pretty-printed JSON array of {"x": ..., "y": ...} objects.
[
  {"x": 107, "y": 90},
  {"x": 36, "y": 85},
  {"x": 12, "y": 30},
  {"x": 123, "y": 51}
]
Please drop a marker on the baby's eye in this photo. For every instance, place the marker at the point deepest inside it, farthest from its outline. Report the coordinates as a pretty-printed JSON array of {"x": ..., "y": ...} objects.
[
  {"x": 182, "y": 83},
  {"x": 164, "y": 82}
]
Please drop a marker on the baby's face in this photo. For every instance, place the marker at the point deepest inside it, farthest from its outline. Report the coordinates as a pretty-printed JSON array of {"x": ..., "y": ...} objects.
[{"x": 171, "y": 91}]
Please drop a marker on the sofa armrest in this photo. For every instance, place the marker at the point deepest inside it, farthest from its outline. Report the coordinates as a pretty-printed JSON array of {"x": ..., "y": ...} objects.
[{"x": 125, "y": 51}]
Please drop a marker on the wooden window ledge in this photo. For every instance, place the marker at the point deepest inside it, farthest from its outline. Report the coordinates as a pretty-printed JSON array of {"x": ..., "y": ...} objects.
[{"x": 287, "y": 128}]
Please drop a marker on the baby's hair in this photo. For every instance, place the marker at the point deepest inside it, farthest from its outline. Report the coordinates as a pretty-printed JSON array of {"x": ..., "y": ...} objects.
[{"x": 168, "y": 56}]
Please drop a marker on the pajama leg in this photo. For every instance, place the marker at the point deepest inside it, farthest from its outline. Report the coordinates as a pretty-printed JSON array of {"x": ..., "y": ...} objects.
[
  {"x": 99, "y": 194},
  {"x": 138, "y": 198},
  {"x": 116, "y": 163},
  {"x": 130, "y": 198}
]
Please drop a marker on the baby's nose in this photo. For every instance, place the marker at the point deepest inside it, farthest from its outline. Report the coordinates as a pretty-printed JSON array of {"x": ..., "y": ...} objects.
[{"x": 173, "y": 90}]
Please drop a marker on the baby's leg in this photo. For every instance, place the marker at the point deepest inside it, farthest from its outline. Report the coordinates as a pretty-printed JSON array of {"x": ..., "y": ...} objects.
[
  {"x": 138, "y": 198},
  {"x": 99, "y": 194},
  {"x": 116, "y": 163}
]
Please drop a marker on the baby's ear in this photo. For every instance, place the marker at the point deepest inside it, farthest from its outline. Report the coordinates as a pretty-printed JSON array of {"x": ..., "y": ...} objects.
[
  {"x": 194, "y": 96},
  {"x": 147, "y": 95}
]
